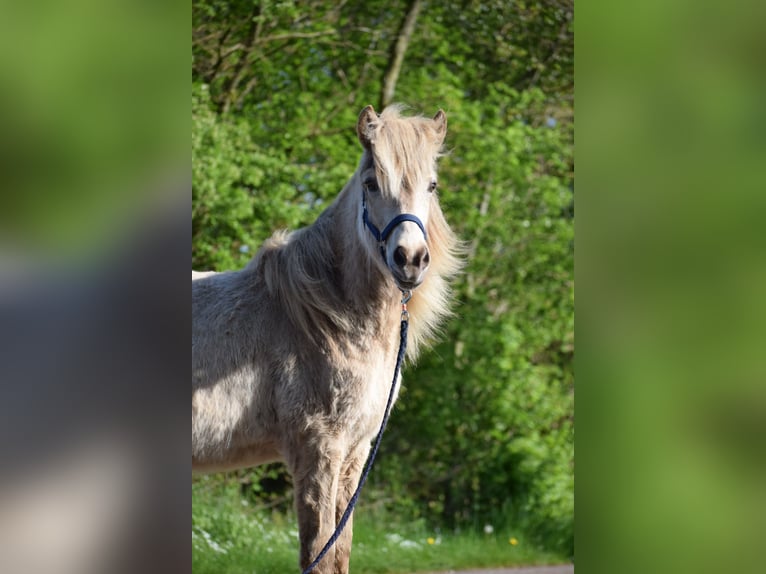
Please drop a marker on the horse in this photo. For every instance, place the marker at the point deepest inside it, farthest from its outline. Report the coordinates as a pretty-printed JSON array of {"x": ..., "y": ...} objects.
[{"x": 293, "y": 355}]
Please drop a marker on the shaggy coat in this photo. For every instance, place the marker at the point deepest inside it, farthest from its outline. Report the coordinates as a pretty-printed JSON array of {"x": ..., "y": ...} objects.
[{"x": 292, "y": 356}]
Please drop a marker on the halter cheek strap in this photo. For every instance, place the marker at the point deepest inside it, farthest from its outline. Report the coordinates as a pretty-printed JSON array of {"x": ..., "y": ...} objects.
[{"x": 382, "y": 236}]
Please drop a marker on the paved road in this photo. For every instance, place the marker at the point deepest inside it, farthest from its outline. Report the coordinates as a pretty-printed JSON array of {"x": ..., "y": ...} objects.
[{"x": 563, "y": 569}]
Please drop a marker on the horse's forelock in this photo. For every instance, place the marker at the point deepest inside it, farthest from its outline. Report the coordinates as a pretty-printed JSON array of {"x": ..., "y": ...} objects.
[{"x": 404, "y": 149}]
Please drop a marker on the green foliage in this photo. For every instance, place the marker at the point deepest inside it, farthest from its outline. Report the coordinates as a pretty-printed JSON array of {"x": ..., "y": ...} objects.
[
  {"x": 249, "y": 180},
  {"x": 484, "y": 430}
]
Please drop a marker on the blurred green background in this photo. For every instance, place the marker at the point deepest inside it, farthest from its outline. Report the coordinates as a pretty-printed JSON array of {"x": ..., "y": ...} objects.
[
  {"x": 671, "y": 143},
  {"x": 92, "y": 120},
  {"x": 483, "y": 433}
]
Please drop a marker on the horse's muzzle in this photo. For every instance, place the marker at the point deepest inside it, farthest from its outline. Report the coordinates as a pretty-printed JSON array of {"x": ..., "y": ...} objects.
[{"x": 409, "y": 266}]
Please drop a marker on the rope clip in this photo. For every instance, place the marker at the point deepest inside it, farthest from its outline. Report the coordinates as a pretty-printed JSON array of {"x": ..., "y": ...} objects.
[{"x": 406, "y": 296}]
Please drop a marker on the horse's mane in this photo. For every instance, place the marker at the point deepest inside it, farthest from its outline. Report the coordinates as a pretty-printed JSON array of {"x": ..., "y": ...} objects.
[
  {"x": 299, "y": 265},
  {"x": 430, "y": 303},
  {"x": 300, "y": 268}
]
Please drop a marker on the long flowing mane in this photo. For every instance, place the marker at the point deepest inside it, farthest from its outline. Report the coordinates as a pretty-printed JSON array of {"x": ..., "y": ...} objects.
[
  {"x": 430, "y": 303},
  {"x": 304, "y": 267}
]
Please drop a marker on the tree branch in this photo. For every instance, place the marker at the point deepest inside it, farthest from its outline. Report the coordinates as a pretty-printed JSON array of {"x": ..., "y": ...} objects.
[
  {"x": 229, "y": 91},
  {"x": 397, "y": 53},
  {"x": 293, "y": 35}
]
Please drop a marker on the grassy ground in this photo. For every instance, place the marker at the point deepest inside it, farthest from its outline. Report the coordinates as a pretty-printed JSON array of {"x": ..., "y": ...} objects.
[{"x": 231, "y": 537}]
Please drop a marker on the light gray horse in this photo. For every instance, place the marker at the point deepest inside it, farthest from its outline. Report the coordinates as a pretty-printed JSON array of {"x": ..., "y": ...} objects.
[{"x": 293, "y": 356}]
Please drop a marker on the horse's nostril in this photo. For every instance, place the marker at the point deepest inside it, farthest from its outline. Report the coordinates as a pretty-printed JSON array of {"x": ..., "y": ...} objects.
[
  {"x": 400, "y": 256},
  {"x": 426, "y": 259}
]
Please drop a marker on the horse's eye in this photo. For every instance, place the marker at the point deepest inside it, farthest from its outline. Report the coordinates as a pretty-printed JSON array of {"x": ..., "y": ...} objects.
[
  {"x": 371, "y": 185},
  {"x": 432, "y": 186}
]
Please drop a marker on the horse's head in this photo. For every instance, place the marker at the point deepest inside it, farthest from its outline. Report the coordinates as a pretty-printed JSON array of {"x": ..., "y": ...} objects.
[{"x": 397, "y": 181}]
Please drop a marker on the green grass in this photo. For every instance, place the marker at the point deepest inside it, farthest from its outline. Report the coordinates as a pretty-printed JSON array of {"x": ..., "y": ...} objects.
[{"x": 231, "y": 537}]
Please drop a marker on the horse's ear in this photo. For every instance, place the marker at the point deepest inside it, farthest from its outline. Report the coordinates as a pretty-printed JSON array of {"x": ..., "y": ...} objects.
[
  {"x": 440, "y": 125},
  {"x": 365, "y": 127}
]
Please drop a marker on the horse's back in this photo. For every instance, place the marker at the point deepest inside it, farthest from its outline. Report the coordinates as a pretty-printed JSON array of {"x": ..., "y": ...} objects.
[
  {"x": 202, "y": 274},
  {"x": 232, "y": 424},
  {"x": 218, "y": 317}
]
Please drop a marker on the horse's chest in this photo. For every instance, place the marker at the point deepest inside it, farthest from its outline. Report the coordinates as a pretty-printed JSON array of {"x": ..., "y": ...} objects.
[{"x": 360, "y": 396}]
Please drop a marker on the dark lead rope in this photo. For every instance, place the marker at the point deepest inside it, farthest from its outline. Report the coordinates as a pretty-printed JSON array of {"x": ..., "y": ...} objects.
[{"x": 351, "y": 503}]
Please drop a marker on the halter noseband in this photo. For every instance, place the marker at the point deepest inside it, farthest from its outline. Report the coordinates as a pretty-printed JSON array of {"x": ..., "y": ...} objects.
[{"x": 382, "y": 236}]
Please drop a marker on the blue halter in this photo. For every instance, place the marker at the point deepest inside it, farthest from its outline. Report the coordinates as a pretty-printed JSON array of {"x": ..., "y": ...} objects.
[{"x": 382, "y": 236}]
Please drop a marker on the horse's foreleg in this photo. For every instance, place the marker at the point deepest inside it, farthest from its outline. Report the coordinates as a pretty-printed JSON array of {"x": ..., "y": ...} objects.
[
  {"x": 315, "y": 477},
  {"x": 349, "y": 478}
]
